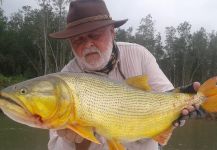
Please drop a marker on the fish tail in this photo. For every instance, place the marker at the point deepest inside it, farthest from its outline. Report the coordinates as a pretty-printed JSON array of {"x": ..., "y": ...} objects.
[{"x": 209, "y": 89}]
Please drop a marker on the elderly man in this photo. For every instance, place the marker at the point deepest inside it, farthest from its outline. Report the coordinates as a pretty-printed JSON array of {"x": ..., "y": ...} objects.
[{"x": 90, "y": 31}]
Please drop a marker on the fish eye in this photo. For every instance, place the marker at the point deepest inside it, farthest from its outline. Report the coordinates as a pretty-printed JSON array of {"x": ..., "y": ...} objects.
[{"x": 23, "y": 91}]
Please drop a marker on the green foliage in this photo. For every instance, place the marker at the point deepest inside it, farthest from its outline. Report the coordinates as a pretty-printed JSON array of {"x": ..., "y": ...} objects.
[
  {"x": 186, "y": 57},
  {"x": 158, "y": 48},
  {"x": 6, "y": 81},
  {"x": 26, "y": 49},
  {"x": 125, "y": 35},
  {"x": 145, "y": 33}
]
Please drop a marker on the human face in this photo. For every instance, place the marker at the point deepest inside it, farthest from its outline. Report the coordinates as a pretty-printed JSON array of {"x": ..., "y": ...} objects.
[{"x": 93, "y": 49}]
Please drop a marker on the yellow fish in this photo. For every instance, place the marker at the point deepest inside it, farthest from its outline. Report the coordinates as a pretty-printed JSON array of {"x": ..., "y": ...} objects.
[{"x": 85, "y": 103}]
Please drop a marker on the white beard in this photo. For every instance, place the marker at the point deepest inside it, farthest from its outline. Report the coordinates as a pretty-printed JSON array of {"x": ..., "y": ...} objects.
[{"x": 94, "y": 64}]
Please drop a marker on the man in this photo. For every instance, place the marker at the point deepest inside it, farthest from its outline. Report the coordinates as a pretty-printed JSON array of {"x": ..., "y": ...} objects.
[{"x": 90, "y": 31}]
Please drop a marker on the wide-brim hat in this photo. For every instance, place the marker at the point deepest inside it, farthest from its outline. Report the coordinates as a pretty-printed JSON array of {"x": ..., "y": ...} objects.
[{"x": 85, "y": 16}]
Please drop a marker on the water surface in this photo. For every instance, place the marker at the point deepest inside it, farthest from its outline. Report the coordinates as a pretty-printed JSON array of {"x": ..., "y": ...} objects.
[
  {"x": 195, "y": 135},
  {"x": 14, "y": 136}
]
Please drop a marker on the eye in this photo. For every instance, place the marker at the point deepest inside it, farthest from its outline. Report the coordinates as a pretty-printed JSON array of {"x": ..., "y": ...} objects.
[
  {"x": 23, "y": 91},
  {"x": 77, "y": 42},
  {"x": 94, "y": 36}
]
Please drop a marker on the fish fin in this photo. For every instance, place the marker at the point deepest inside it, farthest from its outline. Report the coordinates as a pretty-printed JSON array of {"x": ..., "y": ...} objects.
[
  {"x": 115, "y": 145},
  {"x": 164, "y": 137},
  {"x": 140, "y": 82},
  {"x": 209, "y": 89},
  {"x": 84, "y": 131},
  {"x": 210, "y": 104}
]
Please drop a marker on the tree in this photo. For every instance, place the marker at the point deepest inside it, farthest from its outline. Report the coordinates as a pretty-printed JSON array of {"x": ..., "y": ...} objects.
[
  {"x": 183, "y": 46},
  {"x": 56, "y": 53},
  {"x": 170, "y": 59},
  {"x": 59, "y": 49},
  {"x": 199, "y": 56},
  {"x": 158, "y": 47},
  {"x": 145, "y": 33},
  {"x": 212, "y": 54},
  {"x": 125, "y": 35},
  {"x": 26, "y": 49},
  {"x": 3, "y": 22}
]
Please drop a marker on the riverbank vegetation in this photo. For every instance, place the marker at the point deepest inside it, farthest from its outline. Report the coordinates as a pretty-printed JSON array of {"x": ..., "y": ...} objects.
[
  {"x": 26, "y": 50},
  {"x": 6, "y": 81}
]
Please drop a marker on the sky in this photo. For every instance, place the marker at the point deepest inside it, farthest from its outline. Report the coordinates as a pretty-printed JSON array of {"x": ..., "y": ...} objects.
[{"x": 199, "y": 13}]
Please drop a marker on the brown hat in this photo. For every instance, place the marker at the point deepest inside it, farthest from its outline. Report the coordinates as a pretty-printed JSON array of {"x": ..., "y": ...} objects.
[{"x": 85, "y": 16}]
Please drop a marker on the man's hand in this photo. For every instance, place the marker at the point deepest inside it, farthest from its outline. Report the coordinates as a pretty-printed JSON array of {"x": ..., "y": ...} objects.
[
  {"x": 69, "y": 135},
  {"x": 192, "y": 111}
]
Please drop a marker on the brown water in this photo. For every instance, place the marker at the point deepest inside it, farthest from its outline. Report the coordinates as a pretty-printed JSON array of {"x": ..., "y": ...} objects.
[
  {"x": 14, "y": 136},
  {"x": 195, "y": 135}
]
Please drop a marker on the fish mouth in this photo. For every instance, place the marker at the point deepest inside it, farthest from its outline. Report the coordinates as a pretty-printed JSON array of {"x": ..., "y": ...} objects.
[
  {"x": 9, "y": 100},
  {"x": 15, "y": 110},
  {"x": 12, "y": 101}
]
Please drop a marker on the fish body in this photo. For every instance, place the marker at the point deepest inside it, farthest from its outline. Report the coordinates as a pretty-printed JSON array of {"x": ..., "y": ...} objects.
[
  {"x": 88, "y": 103},
  {"x": 120, "y": 111}
]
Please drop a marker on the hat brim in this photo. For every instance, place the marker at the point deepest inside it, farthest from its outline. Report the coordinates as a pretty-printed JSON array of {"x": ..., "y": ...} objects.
[{"x": 84, "y": 28}]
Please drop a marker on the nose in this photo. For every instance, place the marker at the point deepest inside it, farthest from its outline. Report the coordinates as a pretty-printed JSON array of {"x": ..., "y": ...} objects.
[{"x": 88, "y": 42}]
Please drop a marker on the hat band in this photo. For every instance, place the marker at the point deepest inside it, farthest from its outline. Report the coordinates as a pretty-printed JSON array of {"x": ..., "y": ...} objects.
[{"x": 88, "y": 19}]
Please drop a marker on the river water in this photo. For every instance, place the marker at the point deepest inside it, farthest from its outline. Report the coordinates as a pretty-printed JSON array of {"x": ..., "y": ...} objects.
[
  {"x": 14, "y": 136},
  {"x": 195, "y": 135}
]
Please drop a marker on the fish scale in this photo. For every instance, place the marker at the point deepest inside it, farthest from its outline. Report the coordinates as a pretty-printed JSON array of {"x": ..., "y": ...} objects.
[{"x": 112, "y": 104}]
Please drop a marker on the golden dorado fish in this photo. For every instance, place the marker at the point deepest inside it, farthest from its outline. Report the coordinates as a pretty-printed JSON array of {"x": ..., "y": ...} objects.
[{"x": 85, "y": 103}]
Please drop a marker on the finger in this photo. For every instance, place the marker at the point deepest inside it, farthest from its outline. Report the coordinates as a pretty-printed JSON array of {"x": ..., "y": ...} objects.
[
  {"x": 182, "y": 123},
  {"x": 196, "y": 85},
  {"x": 196, "y": 106},
  {"x": 183, "y": 117},
  {"x": 185, "y": 112},
  {"x": 190, "y": 108},
  {"x": 73, "y": 137},
  {"x": 78, "y": 139},
  {"x": 61, "y": 132},
  {"x": 175, "y": 124},
  {"x": 70, "y": 136}
]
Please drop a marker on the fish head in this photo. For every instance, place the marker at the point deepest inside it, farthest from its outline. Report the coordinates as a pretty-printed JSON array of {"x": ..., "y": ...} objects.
[{"x": 43, "y": 102}]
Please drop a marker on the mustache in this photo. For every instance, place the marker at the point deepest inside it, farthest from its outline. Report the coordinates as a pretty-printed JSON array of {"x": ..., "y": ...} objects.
[{"x": 91, "y": 50}]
